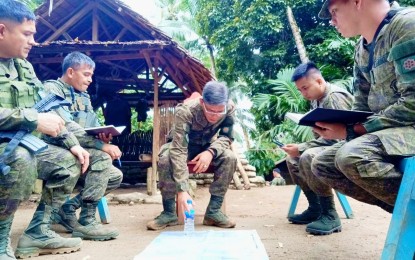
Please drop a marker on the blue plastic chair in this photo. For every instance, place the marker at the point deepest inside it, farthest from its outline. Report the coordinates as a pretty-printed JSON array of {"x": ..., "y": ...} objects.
[
  {"x": 343, "y": 202},
  {"x": 400, "y": 240}
]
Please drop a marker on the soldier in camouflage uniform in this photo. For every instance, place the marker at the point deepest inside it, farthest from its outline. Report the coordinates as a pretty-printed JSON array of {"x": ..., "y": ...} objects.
[
  {"x": 202, "y": 133},
  {"x": 313, "y": 87},
  {"x": 102, "y": 177},
  {"x": 19, "y": 92},
  {"x": 384, "y": 81}
]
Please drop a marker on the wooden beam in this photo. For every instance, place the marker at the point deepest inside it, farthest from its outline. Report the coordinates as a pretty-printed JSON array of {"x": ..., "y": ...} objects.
[
  {"x": 129, "y": 56},
  {"x": 121, "y": 34},
  {"x": 53, "y": 28},
  {"x": 173, "y": 76},
  {"x": 192, "y": 75},
  {"x": 95, "y": 25},
  {"x": 104, "y": 28},
  {"x": 124, "y": 23},
  {"x": 56, "y": 4},
  {"x": 70, "y": 22}
]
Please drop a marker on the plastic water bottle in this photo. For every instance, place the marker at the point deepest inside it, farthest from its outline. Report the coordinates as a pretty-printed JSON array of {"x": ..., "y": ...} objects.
[{"x": 189, "y": 221}]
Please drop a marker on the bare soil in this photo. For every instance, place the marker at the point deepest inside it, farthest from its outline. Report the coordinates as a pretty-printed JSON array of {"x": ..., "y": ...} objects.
[{"x": 263, "y": 209}]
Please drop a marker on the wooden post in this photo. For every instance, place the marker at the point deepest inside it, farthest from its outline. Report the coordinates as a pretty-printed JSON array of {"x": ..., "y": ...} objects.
[{"x": 156, "y": 125}]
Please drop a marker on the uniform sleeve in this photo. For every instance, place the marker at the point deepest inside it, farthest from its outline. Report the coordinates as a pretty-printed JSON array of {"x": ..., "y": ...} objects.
[
  {"x": 179, "y": 147},
  {"x": 402, "y": 54},
  {"x": 361, "y": 89},
  {"x": 18, "y": 119},
  {"x": 226, "y": 134}
]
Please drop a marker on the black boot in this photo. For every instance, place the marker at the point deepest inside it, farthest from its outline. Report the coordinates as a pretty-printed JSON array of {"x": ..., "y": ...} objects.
[
  {"x": 311, "y": 214},
  {"x": 89, "y": 228},
  {"x": 167, "y": 217},
  {"x": 329, "y": 220},
  {"x": 38, "y": 238},
  {"x": 214, "y": 216},
  {"x": 66, "y": 216}
]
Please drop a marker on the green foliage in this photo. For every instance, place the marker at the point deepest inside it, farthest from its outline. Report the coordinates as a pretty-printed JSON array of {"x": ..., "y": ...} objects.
[
  {"x": 32, "y": 4},
  {"x": 135, "y": 125}
]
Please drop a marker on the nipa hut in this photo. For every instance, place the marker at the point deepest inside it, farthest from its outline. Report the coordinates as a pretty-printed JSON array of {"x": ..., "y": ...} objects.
[{"x": 132, "y": 57}]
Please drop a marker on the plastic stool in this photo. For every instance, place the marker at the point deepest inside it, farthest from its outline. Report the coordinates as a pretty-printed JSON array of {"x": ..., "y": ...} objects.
[
  {"x": 343, "y": 202},
  {"x": 400, "y": 240}
]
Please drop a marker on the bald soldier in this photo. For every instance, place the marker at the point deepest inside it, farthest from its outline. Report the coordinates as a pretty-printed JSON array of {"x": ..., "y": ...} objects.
[
  {"x": 202, "y": 133},
  {"x": 384, "y": 82}
]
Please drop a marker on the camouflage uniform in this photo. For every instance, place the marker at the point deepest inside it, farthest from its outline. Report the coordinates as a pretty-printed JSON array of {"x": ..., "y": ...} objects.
[
  {"x": 365, "y": 168},
  {"x": 300, "y": 167},
  {"x": 102, "y": 177},
  {"x": 60, "y": 169},
  {"x": 193, "y": 134},
  {"x": 63, "y": 168}
]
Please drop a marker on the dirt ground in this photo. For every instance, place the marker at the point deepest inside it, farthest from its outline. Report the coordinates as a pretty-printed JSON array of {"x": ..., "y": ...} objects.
[{"x": 263, "y": 209}]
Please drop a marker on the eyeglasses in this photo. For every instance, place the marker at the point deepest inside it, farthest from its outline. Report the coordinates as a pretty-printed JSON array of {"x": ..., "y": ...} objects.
[{"x": 215, "y": 113}]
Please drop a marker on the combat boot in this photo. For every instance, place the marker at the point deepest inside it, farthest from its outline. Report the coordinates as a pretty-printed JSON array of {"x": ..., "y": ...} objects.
[
  {"x": 6, "y": 250},
  {"x": 89, "y": 228},
  {"x": 214, "y": 216},
  {"x": 167, "y": 217},
  {"x": 66, "y": 216},
  {"x": 329, "y": 220},
  {"x": 312, "y": 213},
  {"x": 39, "y": 239}
]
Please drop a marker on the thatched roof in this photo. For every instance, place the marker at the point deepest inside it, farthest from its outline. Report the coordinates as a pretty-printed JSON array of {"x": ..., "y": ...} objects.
[{"x": 130, "y": 52}]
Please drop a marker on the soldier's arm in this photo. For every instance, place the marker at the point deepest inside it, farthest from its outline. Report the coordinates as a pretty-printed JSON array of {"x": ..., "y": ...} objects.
[
  {"x": 179, "y": 148},
  {"x": 402, "y": 54},
  {"x": 226, "y": 134}
]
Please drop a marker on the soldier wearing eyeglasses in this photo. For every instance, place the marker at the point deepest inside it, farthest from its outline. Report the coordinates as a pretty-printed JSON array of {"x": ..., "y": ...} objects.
[{"x": 202, "y": 133}]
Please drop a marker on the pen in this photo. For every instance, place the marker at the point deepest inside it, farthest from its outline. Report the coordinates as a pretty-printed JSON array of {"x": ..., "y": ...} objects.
[
  {"x": 119, "y": 162},
  {"x": 278, "y": 143}
]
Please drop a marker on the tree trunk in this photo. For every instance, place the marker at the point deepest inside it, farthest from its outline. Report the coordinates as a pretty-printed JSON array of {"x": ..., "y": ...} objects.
[
  {"x": 297, "y": 36},
  {"x": 212, "y": 57}
]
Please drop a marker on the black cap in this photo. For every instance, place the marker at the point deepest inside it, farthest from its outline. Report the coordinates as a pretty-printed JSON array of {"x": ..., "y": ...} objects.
[{"x": 324, "y": 11}]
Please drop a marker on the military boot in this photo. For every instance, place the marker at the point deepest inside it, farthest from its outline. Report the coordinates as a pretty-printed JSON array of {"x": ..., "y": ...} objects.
[
  {"x": 329, "y": 220},
  {"x": 6, "y": 250},
  {"x": 89, "y": 228},
  {"x": 66, "y": 216},
  {"x": 39, "y": 239},
  {"x": 214, "y": 216},
  {"x": 167, "y": 217},
  {"x": 311, "y": 214}
]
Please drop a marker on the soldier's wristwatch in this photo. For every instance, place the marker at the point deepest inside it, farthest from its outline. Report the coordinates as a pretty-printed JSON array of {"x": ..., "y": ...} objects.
[{"x": 350, "y": 133}]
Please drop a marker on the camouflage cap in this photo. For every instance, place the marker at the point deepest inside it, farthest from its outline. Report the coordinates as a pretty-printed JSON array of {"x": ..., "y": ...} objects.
[{"x": 324, "y": 11}]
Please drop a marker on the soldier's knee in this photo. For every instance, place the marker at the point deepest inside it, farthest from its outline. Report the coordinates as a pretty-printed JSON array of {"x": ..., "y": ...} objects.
[
  {"x": 343, "y": 159},
  {"x": 23, "y": 158},
  {"x": 228, "y": 156},
  {"x": 306, "y": 157},
  {"x": 164, "y": 161}
]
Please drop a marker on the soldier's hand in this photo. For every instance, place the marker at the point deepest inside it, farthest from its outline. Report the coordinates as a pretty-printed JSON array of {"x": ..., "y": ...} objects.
[
  {"x": 82, "y": 155},
  {"x": 202, "y": 160},
  {"x": 112, "y": 150},
  {"x": 291, "y": 150},
  {"x": 330, "y": 130},
  {"x": 50, "y": 124},
  {"x": 105, "y": 138},
  {"x": 182, "y": 198}
]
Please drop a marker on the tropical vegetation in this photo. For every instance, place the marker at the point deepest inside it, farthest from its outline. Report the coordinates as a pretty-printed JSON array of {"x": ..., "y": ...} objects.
[{"x": 254, "y": 45}]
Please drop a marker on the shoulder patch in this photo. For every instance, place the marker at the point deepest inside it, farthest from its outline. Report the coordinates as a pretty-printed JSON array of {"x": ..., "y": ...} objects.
[{"x": 408, "y": 64}]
